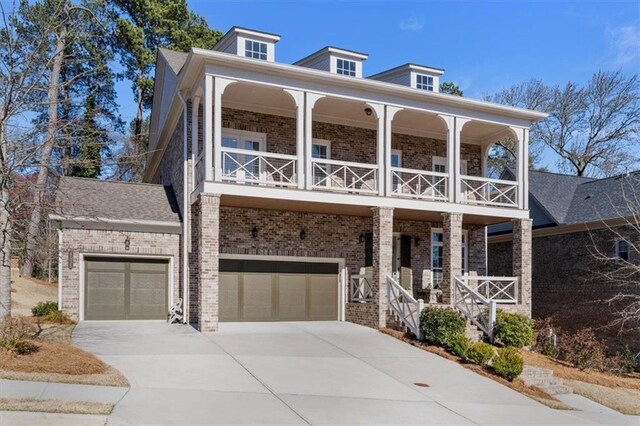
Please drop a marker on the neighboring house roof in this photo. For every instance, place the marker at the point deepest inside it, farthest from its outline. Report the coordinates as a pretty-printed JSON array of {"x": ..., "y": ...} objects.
[
  {"x": 556, "y": 199},
  {"x": 120, "y": 201},
  {"x": 176, "y": 60}
]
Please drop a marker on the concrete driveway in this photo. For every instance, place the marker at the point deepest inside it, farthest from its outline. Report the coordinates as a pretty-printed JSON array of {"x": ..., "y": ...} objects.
[{"x": 296, "y": 373}]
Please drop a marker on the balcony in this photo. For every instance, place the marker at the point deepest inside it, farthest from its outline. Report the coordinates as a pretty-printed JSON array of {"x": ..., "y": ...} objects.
[
  {"x": 419, "y": 184},
  {"x": 344, "y": 176},
  {"x": 259, "y": 168},
  {"x": 489, "y": 192}
]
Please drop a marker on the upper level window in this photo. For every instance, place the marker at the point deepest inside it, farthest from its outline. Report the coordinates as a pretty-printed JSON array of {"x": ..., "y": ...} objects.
[
  {"x": 424, "y": 82},
  {"x": 255, "y": 49},
  {"x": 622, "y": 250},
  {"x": 346, "y": 67}
]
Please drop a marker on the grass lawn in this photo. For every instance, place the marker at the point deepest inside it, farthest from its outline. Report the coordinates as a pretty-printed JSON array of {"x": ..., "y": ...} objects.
[{"x": 54, "y": 406}]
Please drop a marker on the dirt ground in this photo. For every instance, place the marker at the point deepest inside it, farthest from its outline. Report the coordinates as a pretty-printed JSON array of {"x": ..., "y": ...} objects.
[{"x": 25, "y": 293}]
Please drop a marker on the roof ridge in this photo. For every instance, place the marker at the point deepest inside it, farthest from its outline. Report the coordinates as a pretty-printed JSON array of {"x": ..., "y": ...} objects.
[
  {"x": 618, "y": 176},
  {"x": 157, "y": 185},
  {"x": 562, "y": 174}
]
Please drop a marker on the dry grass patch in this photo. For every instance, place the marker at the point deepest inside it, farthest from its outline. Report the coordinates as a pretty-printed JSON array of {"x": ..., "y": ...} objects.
[
  {"x": 517, "y": 385},
  {"x": 565, "y": 371},
  {"x": 51, "y": 357},
  {"x": 110, "y": 377},
  {"x": 54, "y": 406},
  {"x": 626, "y": 401}
]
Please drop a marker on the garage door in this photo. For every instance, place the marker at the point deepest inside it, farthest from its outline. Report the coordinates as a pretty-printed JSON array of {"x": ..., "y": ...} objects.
[
  {"x": 257, "y": 290},
  {"x": 125, "y": 289}
]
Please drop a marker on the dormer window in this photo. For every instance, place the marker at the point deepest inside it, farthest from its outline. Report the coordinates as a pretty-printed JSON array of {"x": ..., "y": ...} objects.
[
  {"x": 346, "y": 67},
  {"x": 424, "y": 82},
  {"x": 255, "y": 49}
]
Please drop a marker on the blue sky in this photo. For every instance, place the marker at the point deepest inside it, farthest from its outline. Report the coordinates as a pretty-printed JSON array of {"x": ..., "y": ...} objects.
[{"x": 482, "y": 45}]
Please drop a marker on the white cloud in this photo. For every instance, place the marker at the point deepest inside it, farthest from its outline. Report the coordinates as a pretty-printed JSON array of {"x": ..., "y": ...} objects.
[
  {"x": 625, "y": 44},
  {"x": 414, "y": 23}
]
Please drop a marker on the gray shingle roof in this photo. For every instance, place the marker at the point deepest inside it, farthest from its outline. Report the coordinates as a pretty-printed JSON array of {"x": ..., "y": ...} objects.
[
  {"x": 175, "y": 59},
  {"x": 554, "y": 192},
  {"x": 79, "y": 197}
]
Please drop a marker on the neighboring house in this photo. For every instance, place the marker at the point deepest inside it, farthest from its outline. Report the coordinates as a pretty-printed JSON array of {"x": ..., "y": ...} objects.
[
  {"x": 576, "y": 220},
  {"x": 304, "y": 192}
]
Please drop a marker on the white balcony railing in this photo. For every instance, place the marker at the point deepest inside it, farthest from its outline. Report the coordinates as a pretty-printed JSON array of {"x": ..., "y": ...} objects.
[
  {"x": 199, "y": 171},
  {"x": 360, "y": 289},
  {"x": 492, "y": 192},
  {"x": 497, "y": 289},
  {"x": 258, "y": 167},
  {"x": 419, "y": 184},
  {"x": 344, "y": 176}
]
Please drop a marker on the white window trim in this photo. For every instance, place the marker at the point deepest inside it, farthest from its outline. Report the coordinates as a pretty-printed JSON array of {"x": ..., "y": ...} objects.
[
  {"x": 266, "y": 52},
  {"x": 433, "y": 82},
  {"x": 323, "y": 142},
  {"x": 442, "y": 161},
  {"x": 261, "y": 138},
  {"x": 350, "y": 61},
  {"x": 465, "y": 233}
]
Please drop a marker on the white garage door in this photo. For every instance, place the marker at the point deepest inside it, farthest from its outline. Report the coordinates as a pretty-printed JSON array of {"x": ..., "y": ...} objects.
[{"x": 258, "y": 290}]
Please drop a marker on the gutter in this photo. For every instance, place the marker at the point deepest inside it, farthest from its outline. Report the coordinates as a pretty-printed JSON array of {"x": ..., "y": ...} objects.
[
  {"x": 185, "y": 215},
  {"x": 88, "y": 219}
]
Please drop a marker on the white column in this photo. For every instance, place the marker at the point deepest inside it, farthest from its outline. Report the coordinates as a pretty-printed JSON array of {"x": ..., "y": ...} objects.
[
  {"x": 450, "y": 129},
  {"x": 455, "y": 161},
  {"x": 220, "y": 85},
  {"x": 388, "y": 131},
  {"x": 195, "y": 108},
  {"x": 380, "y": 145},
  {"x": 311, "y": 99},
  {"x": 525, "y": 171},
  {"x": 298, "y": 99},
  {"x": 207, "y": 127},
  {"x": 520, "y": 165}
]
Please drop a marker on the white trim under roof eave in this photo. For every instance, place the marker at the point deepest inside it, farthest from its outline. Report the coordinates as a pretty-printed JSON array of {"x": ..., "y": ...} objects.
[
  {"x": 170, "y": 227},
  {"x": 423, "y": 95}
]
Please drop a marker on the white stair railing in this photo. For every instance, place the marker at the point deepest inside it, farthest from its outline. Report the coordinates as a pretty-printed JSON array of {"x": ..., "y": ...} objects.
[
  {"x": 419, "y": 184},
  {"x": 491, "y": 192},
  {"x": 344, "y": 176},
  {"x": 360, "y": 289},
  {"x": 406, "y": 308},
  {"x": 258, "y": 167},
  {"x": 497, "y": 289},
  {"x": 479, "y": 310}
]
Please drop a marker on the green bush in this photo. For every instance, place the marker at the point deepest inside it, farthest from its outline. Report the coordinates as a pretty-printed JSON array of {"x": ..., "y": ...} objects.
[
  {"x": 513, "y": 329},
  {"x": 480, "y": 353},
  {"x": 42, "y": 309},
  {"x": 508, "y": 363},
  {"x": 14, "y": 334},
  {"x": 459, "y": 345},
  {"x": 439, "y": 326}
]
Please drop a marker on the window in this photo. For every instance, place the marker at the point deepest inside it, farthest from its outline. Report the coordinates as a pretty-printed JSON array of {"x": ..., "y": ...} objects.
[
  {"x": 424, "y": 82},
  {"x": 242, "y": 166},
  {"x": 321, "y": 149},
  {"x": 622, "y": 250},
  {"x": 437, "y": 239},
  {"x": 396, "y": 161},
  {"x": 255, "y": 49},
  {"x": 439, "y": 165},
  {"x": 346, "y": 67}
]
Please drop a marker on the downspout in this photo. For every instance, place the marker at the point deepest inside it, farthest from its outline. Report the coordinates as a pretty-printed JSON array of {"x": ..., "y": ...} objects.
[{"x": 185, "y": 216}]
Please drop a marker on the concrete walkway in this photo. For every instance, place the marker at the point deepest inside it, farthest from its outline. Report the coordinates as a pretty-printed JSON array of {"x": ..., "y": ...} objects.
[{"x": 297, "y": 373}]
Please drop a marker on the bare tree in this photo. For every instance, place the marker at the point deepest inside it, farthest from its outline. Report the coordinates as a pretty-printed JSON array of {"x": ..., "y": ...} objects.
[
  {"x": 593, "y": 129},
  {"x": 621, "y": 272}
]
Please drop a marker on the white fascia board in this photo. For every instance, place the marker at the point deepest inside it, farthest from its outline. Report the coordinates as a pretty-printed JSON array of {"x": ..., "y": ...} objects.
[
  {"x": 130, "y": 224},
  {"x": 326, "y": 197}
]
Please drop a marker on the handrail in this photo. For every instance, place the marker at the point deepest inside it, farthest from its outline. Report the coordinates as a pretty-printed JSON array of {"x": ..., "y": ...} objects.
[
  {"x": 344, "y": 163},
  {"x": 498, "y": 289},
  {"x": 421, "y": 184},
  {"x": 406, "y": 308},
  {"x": 491, "y": 192},
  {"x": 471, "y": 304},
  {"x": 421, "y": 172},
  {"x": 491, "y": 180},
  {"x": 360, "y": 289},
  {"x": 259, "y": 153}
]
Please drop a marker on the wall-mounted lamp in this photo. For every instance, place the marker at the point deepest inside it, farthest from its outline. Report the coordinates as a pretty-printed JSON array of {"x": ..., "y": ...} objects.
[
  {"x": 368, "y": 111},
  {"x": 303, "y": 234},
  {"x": 416, "y": 241},
  {"x": 361, "y": 238},
  {"x": 254, "y": 232},
  {"x": 127, "y": 243}
]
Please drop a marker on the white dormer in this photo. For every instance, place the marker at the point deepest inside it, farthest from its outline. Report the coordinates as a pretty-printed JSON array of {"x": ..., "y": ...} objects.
[
  {"x": 249, "y": 43},
  {"x": 412, "y": 75},
  {"x": 336, "y": 61}
]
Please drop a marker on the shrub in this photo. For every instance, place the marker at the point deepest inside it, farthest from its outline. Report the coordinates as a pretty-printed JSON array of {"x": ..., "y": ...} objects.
[
  {"x": 545, "y": 337},
  {"x": 513, "y": 329},
  {"x": 621, "y": 363},
  {"x": 441, "y": 325},
  {"x": 508, "y": 363},
  {"x": 582, "y": 349},
  {"x": 480, "y": 353},
  {"x": 14, "y": 334},
  {"x": 42, "y": 309},
  {"x": 58, "y": 317},
  {"x": 459, "y": 345}
]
